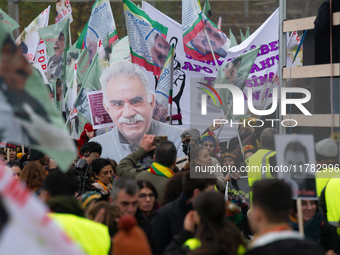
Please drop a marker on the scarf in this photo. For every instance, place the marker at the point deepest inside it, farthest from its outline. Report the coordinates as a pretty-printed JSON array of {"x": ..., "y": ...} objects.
[
  {"x": 311, "y": 227},
  {"x": 160, "y": 170}
]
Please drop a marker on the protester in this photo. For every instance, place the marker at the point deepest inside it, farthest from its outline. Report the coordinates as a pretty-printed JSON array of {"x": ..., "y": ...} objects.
[
  {"x": 190, "y": 139},
  {"x": 103, "y": 172},
  {"x": 130, "y": 239},
  {"x": 16, "y": 168},
  {"x": 264, "y": 156},
  {"x": 201, "y": 162},
  {"x": 91, "y": 236},
  {"x": 130, "y": 108},
  {"x": 209, "y": 141},
  {"x": 88, "y": 198},
  {"x": 326, "y": 153},
  {"x": 106, "y": 214},
  {"x": 87, "y": 134},
  {"x": 268, "y": 220},
  {"x": 160, "y": 170},
  {"x": 33, "y": 175},
  {"x": 124, "y": 195},
  {"x": 90, "y": 151},
  {"x": 168, "y": 220},
  {"x": 12, "y": 151},
  {"x": 148, "y": 195},
  {"x": 315, "y": 227},
  {"x": 173, "y": 188},
  {"x": 213, "y": 227},
  {"x": 248, "y": 151}
]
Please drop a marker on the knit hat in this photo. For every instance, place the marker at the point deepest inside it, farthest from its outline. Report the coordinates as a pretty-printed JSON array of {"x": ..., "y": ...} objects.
[
  {"x": 87, "y": 197},
  {"x": 210, "y": 137},
  {"x": 327, "y": 147},
  {"x": 248, "y": 148},
  {"x": 130, "y": 239},
  {"x": 227, "y": 155}
]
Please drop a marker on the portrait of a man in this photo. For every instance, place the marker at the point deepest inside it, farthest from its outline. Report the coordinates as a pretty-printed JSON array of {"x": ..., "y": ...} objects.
[
  {"x": 216, "y": 37},
  {"x": 55, "y": 62},
  {"x": 128, "y": 100},
  {"x": 160, "y": 51},
  {"x": 296, "y": 159}
]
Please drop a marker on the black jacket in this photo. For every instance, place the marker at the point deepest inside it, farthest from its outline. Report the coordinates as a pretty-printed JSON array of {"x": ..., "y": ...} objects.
[
  {"x": 168, "y": 222},
  {"x": 144, "y": 223},
  {"x": 322, "y": 28}
]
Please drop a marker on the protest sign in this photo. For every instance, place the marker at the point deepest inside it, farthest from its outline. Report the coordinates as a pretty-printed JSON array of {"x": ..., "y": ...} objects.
[
  {"x": 198, "y": 31},
  {"x": 91, "y": 83},
  {"x": 148, "y": 45},
  {"x": 29, "y": 39},
  {"x": 28, "y": 223},
  {"x": 296, "y": 164},
  {"x": 56, "y": 38},
  {"x": 100, "y": 31},
  {"x": 7, "y": 22},
  {"x": 99, "y": 116},
  {"x": 63, "y": 11},
  {"x": 41, "y": 56},
  {"x": 27, "y": 114}
]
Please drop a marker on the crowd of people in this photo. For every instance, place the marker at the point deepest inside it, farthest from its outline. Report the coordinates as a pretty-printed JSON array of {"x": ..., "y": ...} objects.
[{"x": 111, "y": 207}]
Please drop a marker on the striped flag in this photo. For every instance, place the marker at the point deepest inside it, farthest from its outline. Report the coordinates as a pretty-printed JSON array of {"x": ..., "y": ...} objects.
[
  {"x": 147, "y": 39},
  {"x": 196, "y": 26}
]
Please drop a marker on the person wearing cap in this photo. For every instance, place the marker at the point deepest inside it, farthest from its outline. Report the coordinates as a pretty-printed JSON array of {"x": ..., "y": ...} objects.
[
  {"x": 42, "y": 159},
  {"x": 209, "y": 141},
  {"x": 326, "y": 156},
  {"x": 12, "y": 151},
  {"x": 248, "y": 150}
]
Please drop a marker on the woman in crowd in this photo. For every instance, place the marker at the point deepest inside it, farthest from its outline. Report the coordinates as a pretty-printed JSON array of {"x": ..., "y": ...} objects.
[
  {"x": 103, "y": 173},
  {"x": 173, "y": 188},
  {"x": 103, "y": 212},
  {"x": 315, "y": 227},
  {"x": 213, "y": 228},
  {"x": 33, "y": 175},
  {"x": 209, "y": 141},
  {"x": 199, "y": 157},
  {"x": 16, "y": 167},
  {"x": 147, "y": 202}
]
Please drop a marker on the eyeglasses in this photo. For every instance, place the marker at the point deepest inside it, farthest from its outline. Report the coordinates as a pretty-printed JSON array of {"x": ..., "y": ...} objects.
[{"x": 144, "y": 196}]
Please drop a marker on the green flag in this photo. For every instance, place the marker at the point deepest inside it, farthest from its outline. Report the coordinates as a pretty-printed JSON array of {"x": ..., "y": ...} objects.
[
  {"x": 233, "y": 41},
  {"x": 234, "y": 72},
  {"x": 121, "y": 51},
  {"x": 247, "y": 34},
  {"x": 207, "y": 9},
  {"x": 56, "y": 38},
  {"x": 26, "y": 112},
  {"x": 242, "y": 36},
  {"x": 7, "y": 22},
  {"x": 91, "y": 83}
]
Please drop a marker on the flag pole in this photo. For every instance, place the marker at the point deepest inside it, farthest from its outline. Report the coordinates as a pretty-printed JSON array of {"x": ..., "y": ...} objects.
[
  {"x": 171, "y": 83},
  {"x": 212, "y": 52}
]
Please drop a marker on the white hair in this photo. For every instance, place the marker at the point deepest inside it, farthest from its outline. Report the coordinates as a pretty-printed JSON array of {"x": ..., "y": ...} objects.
[{"x": 124, "y": 67}]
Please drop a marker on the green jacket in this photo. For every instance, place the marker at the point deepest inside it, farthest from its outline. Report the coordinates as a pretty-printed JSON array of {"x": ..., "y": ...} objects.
[{"x": 128, "y": 166}]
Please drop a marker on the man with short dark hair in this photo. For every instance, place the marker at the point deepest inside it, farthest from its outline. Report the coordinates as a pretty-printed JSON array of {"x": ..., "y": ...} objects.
[
  {"x": 162, "y": 168},
  {"x": 90, "y": 151},
  {"x": 268, "y": 220},
  {"x": 58, "y": 193},
  {"x": 125, "y": 194},
  {"x": 168, "y": 220}
]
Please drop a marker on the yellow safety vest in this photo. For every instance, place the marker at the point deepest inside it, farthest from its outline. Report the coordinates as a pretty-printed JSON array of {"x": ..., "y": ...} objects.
[
  {"x": 91, "y": 236},
  {"x": 322, "y": 177},
  {"x": 332, "y": 200},
  {"x": 254, "y": 162},
  {"x": 194, "y": 243}
]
